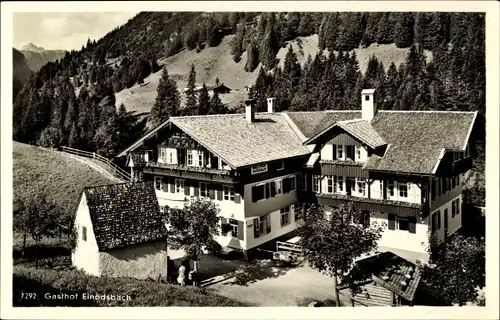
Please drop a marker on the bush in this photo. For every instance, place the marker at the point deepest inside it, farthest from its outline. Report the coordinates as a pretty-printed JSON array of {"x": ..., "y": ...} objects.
[{"x": 141, "y": 292}]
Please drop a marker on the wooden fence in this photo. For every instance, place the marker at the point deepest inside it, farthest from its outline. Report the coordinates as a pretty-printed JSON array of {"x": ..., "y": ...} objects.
[{"x": 116, "y": 169}]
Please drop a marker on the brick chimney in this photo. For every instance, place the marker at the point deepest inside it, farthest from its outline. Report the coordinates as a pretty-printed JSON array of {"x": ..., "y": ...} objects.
[
  {"x": 368, "y": 106},
  {"x": 270, "y": 105}
]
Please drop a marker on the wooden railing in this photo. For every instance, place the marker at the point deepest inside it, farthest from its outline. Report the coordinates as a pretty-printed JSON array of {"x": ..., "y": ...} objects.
[{"x": 116, "y": 169}]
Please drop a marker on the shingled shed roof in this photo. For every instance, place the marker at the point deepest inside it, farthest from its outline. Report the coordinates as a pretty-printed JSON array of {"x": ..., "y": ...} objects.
[
  {"x": 417, "y": 139},
  {"x": 241, "y": 143},
  {"x": 388, "y": 270},
  {"x": 124, "y": 214}
]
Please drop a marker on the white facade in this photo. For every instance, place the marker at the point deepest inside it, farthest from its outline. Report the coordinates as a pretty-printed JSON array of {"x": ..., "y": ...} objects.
[
  {"x": 454, "y": 220},
  {"x": 85, "y": 255}
]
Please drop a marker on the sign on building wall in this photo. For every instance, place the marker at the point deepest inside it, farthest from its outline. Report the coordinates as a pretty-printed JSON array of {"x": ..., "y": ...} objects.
[{"x": 260, "y": 168}]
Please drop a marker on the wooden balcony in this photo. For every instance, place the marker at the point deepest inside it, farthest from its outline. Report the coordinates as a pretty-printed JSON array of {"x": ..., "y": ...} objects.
[
  {"x": 454, "y": 167},
  {"x": 347, "y": 168},
  {"x": 191, "y": 172},
  {"x": 400, "y": 208}
]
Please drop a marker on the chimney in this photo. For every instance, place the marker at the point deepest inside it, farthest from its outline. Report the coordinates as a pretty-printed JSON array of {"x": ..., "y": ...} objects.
[
  {"x": 368, "y": 106},
  {"x": 249, "y": 113},
  {"x": 270, "y": 105},
  {"x": 249, "y": 107}
]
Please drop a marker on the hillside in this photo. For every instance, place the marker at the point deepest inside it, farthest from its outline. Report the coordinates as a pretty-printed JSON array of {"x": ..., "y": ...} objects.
[
  {"x": 36, "y": 57},
  {"x": 21, "y": 71},
  {"x": 214, "y": 62},
  {"x": 62, "y": 178}
]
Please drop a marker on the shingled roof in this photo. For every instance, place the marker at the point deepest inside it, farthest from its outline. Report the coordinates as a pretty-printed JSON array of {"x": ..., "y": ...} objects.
[
  {"x": 388, "y": 270},
  {"x": 241, "y": 143},
  {"x": 124, "y": 214},
  {"x": 417, "y": 139},
  {"x": 310, "y": 123}
]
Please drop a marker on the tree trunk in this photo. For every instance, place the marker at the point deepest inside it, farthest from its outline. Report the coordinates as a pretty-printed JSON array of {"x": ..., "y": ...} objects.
[
  {"x": 336, "y": 291},
  {"x": 24, "y": 244}
]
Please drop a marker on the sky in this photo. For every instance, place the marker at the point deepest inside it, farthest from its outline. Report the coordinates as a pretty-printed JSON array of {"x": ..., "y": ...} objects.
[{"x": 64, "y": 30}]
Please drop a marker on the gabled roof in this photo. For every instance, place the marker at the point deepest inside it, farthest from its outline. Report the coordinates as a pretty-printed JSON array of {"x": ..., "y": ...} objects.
[
  {"x": 124, "y": 214},
  {"x": 358, "y": 128},
  {"x": 240, "y": 143},
  {"x": 310, "y": 123},
  {"x": 388, "y": 270},
  {"x": 417, "y": 139}
]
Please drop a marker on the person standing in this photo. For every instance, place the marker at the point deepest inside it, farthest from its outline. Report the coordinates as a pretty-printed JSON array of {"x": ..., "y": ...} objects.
[{"x": 181, "y": 278}]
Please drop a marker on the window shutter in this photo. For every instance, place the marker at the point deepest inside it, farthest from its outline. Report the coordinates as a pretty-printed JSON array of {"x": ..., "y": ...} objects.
[
  {"x": 439, "y": 219},
  {"x": 334, "y": 152},
  {"x": 237, "y": 198},
  {"x": 196, "y": 190},
  {"x": 219, "y": 193},
  {"x": 211, "y": 191},
  {"x": 241, "y": 231},
  {"x": 267, "y": 190},
  {"x": 165, "y": 184},
  {"x": 294, "y": 215},
  {"x": 392, "y": 221},
  {"x": 412, "y": 225},
  {"x": 273, "y": 188},
  {"x": 254, "y": 194},
  {"x": 286, "y": 185},
  {"x": 187, "y": 188},
  {"x": 268, "y": 223},
  {"x": 256, "y": 232},
  {"x": 171, "y": 182}
]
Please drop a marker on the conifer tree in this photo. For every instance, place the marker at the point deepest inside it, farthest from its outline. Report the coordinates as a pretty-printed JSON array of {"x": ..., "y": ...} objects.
[
  {"x": 191, "y": 87},
  {"x": 167, "y": 100},
  {"x": 203, "y": 101},
  {"x": 216, "y": 105},
  {"x": 403, "y": 30},
  {"x": 252, "y": 57}
]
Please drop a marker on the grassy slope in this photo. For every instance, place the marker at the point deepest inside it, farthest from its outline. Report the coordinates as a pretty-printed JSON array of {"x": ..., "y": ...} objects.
[
  {"x": 142, "y": 292},
  {"x": 218, "y": 62},
  {"x": 61, "y": 177}
]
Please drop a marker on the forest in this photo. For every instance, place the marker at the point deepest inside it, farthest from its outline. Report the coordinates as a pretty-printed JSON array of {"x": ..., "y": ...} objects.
[{"x": 72, "y": 101}]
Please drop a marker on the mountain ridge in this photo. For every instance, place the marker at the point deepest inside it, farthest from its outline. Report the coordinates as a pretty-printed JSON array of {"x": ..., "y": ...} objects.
[{"x": 37, "y": 56}]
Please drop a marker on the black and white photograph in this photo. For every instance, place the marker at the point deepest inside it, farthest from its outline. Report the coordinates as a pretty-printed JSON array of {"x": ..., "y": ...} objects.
[{"x": 263, "y": 154}]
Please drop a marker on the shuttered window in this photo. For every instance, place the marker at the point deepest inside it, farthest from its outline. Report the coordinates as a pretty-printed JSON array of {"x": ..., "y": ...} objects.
[
  {"x": 350, "y": 152},
  {"x": 412, "y": 225},
  {"x": 228, "y": 193},
  {"x": 234, "y": 227},
  {"x": 179, "y": 185},
  {"x": 391, "y": 221},
  {"x": 203, "y": 189},
  {"x": 329, "y": 180},
  {"x": 158, "y": 183},
  {"x": 285, "y": 216},
  {"x": 390, "y": 188}
]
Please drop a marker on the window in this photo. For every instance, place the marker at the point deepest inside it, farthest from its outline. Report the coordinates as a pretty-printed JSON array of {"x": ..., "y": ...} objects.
[
  {"x": 262, "y": 225},
  {"x": 234, "y": 227},
  {"x": 316, "y": 183},
  {"x": 257, "y": 192},
  {"x": 458, "y": 206},
  {"x": 367, "y": 98},
  {"x": 285, "y": 216},
  {"x": 340, "y": 183},
  {"x": 228, "y": 193},
  {"x": 278, "y": 186},
  {"x": 189, "y": 158},
  {"x": 203, "y": 189},
  {"x": 358, "y": 153},
  {"x": 84, "y": 233},
  {"x": 350, "y": 152},
  {"x": 453, "y": 208},
  {"x": 403, "y": 190},
  {"x": 179, "y": 185},
  {"x": 403, "y": 224},
  {"x": 390, "y": 188},
  {"x": 436, "y": 221},
  {"x": 200, "y": 158},
  {"x": 164, "y": 152},
  {"x": 292, "y": 183},
  {"x": 260, "y": 168},
  {"x": 329, "y": 184},
  {"x": 158, "y": 183},
  {"x": 362, "y": 188},
  {"x": 280, "y": 166},
  {"x": 302, "y": 182},
  {"x": 340, "y": 152}
]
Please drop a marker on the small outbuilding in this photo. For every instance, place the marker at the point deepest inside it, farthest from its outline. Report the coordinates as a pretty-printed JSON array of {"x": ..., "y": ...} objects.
[
  {"x": 384, "y": 279},
  {"x": 120, "y": 232},
  {"x": 221, "y": 89}
]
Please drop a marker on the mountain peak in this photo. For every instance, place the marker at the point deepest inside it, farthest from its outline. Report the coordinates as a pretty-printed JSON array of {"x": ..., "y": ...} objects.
[{"x": 31, "y": 47}]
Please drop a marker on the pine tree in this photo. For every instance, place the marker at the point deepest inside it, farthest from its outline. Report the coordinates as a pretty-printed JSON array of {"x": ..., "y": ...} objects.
[
  {"x": 203, "y": 101},
  {"x": 291, "y": 26},
  {"x": 252, "y": 57},
  {"x": 191, "y": 87},
  {"x": 216, "y": 105},
  {"x": 403, "y": 30},
  {"x": 167, "y": 100}
]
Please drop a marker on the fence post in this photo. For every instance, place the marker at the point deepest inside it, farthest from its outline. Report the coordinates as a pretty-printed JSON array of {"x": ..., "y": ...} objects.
[{"x": 93, "y": 155}]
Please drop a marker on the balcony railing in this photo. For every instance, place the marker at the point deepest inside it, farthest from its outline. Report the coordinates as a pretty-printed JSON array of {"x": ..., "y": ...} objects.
[
  {"x": 202, "y": 173},
  {"x": 381, "y": 205}
]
